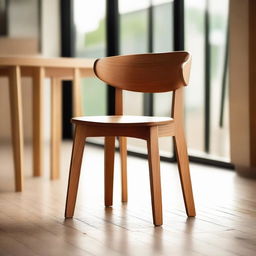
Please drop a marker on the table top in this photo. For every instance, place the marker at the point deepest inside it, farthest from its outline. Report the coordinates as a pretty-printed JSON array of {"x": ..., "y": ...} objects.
[{"x": 46, "y": 62}]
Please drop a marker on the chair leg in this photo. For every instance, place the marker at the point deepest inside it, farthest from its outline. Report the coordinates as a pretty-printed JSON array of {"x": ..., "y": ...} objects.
[
  {"x": 154, "y": 174},
  {"x": 16, "y": 125},
  {"x": 109, "y": 169},
  {"x": 183, "y": 164},
  {"x": 74, "y": 173},
  {"x": 38, "y": 148},
  {"x": 56, "y": 130},
  {"x": 123, "y": 156}
]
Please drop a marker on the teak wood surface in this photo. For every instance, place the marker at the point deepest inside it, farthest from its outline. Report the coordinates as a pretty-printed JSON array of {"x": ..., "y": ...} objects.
[
  {"x": 142, "y": 73},
  {"x": 38, "y": 68}
]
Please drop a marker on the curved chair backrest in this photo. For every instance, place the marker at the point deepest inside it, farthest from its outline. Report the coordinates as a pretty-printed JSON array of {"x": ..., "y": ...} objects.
[{"x": 152, "y": 72}]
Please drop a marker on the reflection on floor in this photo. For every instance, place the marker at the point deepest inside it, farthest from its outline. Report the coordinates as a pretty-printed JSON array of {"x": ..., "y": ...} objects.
[{"x": 32, "y": 223}]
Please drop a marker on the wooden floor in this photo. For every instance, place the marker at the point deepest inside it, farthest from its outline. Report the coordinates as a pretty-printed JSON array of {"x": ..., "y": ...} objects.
[{"x": 32, "y": 223}]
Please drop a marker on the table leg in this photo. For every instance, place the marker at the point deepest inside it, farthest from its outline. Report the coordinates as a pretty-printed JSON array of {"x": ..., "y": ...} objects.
[
  {"x": 56, "y": 131},
  {"x": 76, "y": 94},
  {"x": 17, "y": 125},
  {"x": 38, "y": 81}
]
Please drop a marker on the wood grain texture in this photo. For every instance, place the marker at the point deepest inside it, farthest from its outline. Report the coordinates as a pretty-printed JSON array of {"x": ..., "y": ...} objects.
[
  {"x": 47, "y": 62},
  {"x": 76, "y": 93},
  {"x": 122, "y": 146},
  {"x": 181, "y": 153},
  {"x": 123, "y": 162},
  {"x": 16, "y": 125},
  {"x": 74, "y": 173},
  {"x": 140, "y": 132},
  {"x": 143, "y": 73},
  {"x": 154, "y": 175},
  {"x": 252, "y": 81},
  {"x": 109, "y": 157},
  {"x": 57, "y": 69},
  {"x": 183, "y": 164},
  {"x": 166, "y": 130},
  {"x": 37, "y": 90},
  {"x": 56, "y": 127},
  {"x": 62, "y": 73},
  {"x": 186, "y": 67},
  {"x": 62, "y": 68},
  {"x": 118, "y": 101},
  {"x": 32, "y": 222},
  {"x": 159, "y": 72}
]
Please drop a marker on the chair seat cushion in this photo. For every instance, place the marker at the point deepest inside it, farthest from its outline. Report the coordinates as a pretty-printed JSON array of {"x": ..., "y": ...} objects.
[{"x": 122, "y": 120}]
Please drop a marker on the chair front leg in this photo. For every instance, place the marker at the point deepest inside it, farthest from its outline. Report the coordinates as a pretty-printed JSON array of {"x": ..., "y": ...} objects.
[
  {"x": 109, "y": 169},
  {"x": 123, "y": 157},
  {"x": 154, "y": 174},
  {"x": 183, "y": 164},
  {"x": 74, "y": 173}
]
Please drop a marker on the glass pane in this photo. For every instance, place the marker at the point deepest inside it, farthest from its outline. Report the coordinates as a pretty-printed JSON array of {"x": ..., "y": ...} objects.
[
  {"x": 134, "y": 39},
  {"x": 132, "y": 6},
  {"x": 90, "y": 28},
  {"x": 195, "y": 106},
  {"x": 163, "y": 26},
  {"x": 194, "y": 93},
  {"x": 133, "y": 26},
  {"x": 162, "y": 107},
  {"x": 158, "y": 2},
  {"x": 219, "y": 139},
  {"x": 163, "y": 42}
]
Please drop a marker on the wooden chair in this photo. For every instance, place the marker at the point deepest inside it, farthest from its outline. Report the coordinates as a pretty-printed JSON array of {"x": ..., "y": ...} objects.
[{"x": 141, "y": 73}]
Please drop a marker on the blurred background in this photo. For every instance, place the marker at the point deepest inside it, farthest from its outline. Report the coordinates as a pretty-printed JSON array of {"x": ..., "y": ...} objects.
[{"x": 93, "y": 29}]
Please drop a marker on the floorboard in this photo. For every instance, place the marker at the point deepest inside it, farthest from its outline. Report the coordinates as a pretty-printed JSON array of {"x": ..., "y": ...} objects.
[{"x": 32, "y": 222}]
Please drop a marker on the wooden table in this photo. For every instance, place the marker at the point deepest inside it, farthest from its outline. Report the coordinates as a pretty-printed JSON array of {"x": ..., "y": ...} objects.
[{"x": 38, "y": 69}]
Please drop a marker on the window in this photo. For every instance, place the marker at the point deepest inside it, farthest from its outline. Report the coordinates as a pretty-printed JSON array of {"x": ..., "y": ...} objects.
[
  {"x": 206, "y": 39},
  {"x": 91, "y": 43},
  {"x": 147, "y": 26}
]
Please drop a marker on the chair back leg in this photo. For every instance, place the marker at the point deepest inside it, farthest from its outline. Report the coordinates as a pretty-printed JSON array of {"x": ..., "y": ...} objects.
[
  {"x": 109, "y": 159},
  {"x": 123, "y": 157},
  {"x": 74, "y": 173},
  {"x": 183, "y": 164}
]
